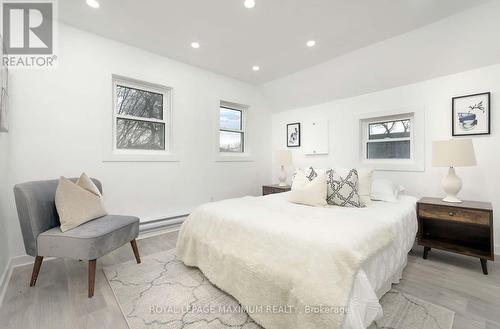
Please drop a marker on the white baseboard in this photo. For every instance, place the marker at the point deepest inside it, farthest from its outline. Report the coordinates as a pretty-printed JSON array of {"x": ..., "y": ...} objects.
[
  {"x": 13, "y": 263},
  {"x": 160, "y": 226},
  {"x": 158, "y": 231}
]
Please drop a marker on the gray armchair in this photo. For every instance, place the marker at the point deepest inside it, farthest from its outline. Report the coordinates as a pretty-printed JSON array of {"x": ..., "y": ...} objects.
[{"x": 43, "y": 238}]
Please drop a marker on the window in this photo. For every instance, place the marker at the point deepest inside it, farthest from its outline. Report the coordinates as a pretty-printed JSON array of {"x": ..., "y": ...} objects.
[
  {"x": 389, "y": 139},
  {"x": 232, "y": 128},
  {"x": 141, "y": 118},
  {"x": 393, "y": 141}
]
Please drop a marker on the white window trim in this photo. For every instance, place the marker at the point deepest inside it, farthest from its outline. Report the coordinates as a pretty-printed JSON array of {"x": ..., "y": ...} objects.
[
  {"x": 246, "y": 156},
  {"x": 417, "y": 140},
  {"x": 118, "y": 155}
]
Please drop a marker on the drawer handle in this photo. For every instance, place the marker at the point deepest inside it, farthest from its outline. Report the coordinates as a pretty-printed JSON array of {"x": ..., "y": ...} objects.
[{"x": 451, "y": 213}]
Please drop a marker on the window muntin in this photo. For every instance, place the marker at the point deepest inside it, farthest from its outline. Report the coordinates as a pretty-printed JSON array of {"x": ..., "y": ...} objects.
[
  {"x": 231, "y": 130},
  {"x": 140, "y": 116}
]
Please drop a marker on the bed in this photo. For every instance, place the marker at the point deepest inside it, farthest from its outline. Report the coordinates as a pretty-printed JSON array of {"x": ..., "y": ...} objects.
[{"x": 297, "y": 266}]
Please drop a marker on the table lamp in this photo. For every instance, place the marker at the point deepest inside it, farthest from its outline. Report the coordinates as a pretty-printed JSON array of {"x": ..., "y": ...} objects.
[
  {"x": 284, "y": 159},
  {"x": 453, "y": 153}
]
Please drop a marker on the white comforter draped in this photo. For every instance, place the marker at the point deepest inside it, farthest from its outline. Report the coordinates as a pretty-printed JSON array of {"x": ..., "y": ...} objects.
[{"x": 266, "y": 252}]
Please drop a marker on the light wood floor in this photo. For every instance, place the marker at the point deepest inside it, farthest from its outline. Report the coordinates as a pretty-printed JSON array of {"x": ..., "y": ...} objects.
[{"x": 59, "y": 299}]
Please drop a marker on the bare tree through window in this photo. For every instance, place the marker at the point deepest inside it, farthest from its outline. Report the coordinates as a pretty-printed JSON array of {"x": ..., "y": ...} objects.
[
  {"x": 389, "y": 140},
  {"x": 140, "y": 118}
]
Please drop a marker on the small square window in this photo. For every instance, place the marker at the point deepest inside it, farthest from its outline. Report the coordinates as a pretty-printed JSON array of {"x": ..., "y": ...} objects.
[
  {"x": 388, "y": 138},
  {"x": 393, "y": 141}
]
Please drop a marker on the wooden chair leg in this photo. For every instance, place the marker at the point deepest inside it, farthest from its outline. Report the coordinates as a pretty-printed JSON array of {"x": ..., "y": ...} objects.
[
  {"x": 92, "y": 267},
  {"x": 36, "y": 270},
  {"x": 133, "y": 243}
]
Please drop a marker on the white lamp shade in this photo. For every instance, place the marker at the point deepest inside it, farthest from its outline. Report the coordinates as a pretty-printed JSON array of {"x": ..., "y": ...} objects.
[
  {"x": 284, "y": 157},
  {"x": 453, "y": 153}
]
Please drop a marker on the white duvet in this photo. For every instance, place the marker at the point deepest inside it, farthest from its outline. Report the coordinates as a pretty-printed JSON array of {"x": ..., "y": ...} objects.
[{"x": 296, "y": 266}]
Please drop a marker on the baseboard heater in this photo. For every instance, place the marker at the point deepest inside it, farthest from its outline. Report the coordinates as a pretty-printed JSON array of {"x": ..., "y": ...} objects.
[{"x": 162, "y": 223}]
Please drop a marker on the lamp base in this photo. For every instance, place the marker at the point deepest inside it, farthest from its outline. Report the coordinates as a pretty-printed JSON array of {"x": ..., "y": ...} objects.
[
  {"x": 452, "y": 184},
  {"x": 282, "y": 177},
  {"x": 452, "y": 199}
]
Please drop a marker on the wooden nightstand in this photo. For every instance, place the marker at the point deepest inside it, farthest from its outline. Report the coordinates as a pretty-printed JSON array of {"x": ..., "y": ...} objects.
[
  {"x": 465, "y": 228},
  {"x": 271, "y": 189}
]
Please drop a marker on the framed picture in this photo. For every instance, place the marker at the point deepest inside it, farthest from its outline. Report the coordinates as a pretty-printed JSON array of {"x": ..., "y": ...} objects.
[
  {"x": 471, "y": 115},
  {"x": 293, "y": 135}
]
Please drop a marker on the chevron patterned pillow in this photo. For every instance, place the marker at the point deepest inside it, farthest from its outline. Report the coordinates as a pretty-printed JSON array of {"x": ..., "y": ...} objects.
[{"x": 343, "y": 191}]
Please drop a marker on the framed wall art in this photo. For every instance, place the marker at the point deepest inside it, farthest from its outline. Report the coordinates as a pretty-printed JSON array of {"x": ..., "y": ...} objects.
[
  {"x": 471, "y": 115},
  {"x": 293, "y": 135}
]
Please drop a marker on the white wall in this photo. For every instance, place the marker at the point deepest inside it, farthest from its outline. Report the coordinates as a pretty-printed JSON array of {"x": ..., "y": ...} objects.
[
  {"x": 458, "y": 43},
  {"x": 480, "y": 182},
  {"x": 60, "y": 122},
  {"x": 60, "y": 119},
  {"x": 4, "y": 242}
]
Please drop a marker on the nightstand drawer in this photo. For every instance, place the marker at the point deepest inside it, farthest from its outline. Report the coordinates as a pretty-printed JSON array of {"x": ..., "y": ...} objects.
[
  {"x": 454, "y": 214},
  {"x": 272, "y": 189}
]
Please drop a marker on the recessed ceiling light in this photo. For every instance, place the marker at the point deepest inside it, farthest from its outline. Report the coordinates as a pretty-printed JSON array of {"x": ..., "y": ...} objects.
[
  {"x": 249, "y": 4},
  {"x": 195, "y": 45},
  {"x": 311, "y": 43},
  {"x": 93, "y": 3},
  {"x": 255, "y": 68}
]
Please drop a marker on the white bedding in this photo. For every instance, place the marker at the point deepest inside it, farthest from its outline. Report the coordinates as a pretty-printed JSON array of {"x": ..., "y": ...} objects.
[
  {"x": 266, "y": 251},
  {"x": 385, "y": 268}
]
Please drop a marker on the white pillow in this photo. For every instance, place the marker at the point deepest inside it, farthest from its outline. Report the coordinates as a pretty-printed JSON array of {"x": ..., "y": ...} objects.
[
  {"x": 308, "y": 192},
  {"x": 384, "y": 190},
  {"x": 79, "y": 202},
  {"x": 365, "y": 184}
]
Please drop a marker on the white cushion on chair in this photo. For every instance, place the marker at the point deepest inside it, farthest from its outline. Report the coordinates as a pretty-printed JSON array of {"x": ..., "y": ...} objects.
[{"x": 79, "y": 202}]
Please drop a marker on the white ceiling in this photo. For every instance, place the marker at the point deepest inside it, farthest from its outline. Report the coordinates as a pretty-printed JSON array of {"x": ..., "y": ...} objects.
[{"x": 271, "y": 35}]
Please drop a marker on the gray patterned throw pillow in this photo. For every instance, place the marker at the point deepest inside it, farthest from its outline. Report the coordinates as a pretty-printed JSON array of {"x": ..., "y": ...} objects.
[{"x": 343, "y": 191}]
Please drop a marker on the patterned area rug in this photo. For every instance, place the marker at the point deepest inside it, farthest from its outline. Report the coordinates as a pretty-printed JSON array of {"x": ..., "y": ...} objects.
[
  {"x": 404, "y": 311},
  {"x": 164, "y": 293}
]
